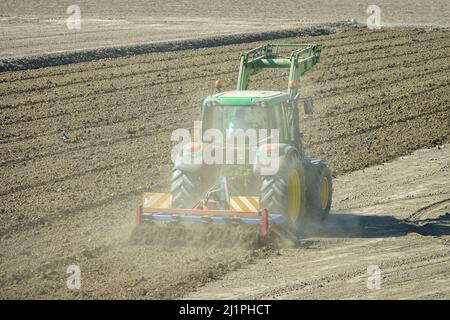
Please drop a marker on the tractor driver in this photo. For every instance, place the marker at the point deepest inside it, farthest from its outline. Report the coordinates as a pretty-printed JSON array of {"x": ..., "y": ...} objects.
[{"x": 238, "y": 122}]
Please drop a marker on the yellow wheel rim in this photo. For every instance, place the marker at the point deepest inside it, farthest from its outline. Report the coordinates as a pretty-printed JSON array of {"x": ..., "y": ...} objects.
[
  {"x": 325, "y": 193},
  {"x": 294, "y": 195}
]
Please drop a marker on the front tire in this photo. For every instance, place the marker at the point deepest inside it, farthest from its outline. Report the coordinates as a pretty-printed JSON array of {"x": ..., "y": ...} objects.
[{"x": 320, "y": 192}]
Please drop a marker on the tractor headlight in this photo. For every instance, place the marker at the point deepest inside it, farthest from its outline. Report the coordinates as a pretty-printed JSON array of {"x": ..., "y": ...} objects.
[{"x": 269, "y": 149}]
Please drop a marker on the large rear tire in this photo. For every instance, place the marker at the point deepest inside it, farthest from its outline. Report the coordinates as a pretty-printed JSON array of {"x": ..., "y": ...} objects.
[
  {"x": 285, "y": 194},
  {"x": 185, "y": 189}
]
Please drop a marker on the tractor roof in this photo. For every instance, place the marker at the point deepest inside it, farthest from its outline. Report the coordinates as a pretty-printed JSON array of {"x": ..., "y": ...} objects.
[{"x": 249, "y": 97}]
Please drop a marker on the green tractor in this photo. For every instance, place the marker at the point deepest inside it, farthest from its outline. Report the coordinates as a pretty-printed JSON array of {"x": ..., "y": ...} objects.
[{"x": 300, "y": 188}]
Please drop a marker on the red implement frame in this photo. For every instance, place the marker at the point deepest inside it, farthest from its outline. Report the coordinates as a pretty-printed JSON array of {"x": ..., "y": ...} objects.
[{"x": 264, "y": 229}]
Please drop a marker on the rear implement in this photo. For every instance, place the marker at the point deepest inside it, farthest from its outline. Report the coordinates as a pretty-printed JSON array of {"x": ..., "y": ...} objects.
[{"x": 154, "y": 210}]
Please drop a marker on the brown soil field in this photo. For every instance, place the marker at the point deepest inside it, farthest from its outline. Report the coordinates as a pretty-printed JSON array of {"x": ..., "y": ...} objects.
[
  {"x": 395, "y": 216},
  {"x": 38, "y": 27},
  {"x": 379, "y": 95}
]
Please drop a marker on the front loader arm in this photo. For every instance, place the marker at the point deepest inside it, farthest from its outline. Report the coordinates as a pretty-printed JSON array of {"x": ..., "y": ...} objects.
[{"x": 268, "y": 56}]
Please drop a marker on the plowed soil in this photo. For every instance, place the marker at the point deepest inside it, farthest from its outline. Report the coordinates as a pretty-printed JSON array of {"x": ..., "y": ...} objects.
[{"x": 379, "y": 95}]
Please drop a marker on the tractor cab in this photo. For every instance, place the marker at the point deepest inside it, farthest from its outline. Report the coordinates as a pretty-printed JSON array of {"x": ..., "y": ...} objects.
[{"x": 244, "y": 110}]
